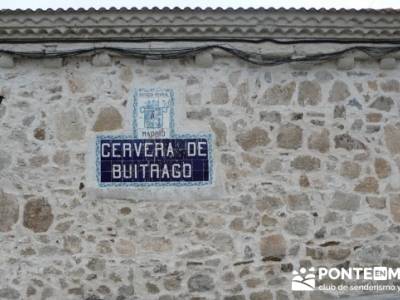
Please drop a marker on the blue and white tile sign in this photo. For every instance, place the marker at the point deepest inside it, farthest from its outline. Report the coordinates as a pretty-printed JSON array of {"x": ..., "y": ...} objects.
[{"x": 155, "y": 155}]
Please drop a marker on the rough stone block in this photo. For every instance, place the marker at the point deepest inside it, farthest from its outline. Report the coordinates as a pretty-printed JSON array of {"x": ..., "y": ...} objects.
[
  {"x": 9, "y": 211},
  {"x": 204, "y": 60},
  {"x": 319, "y": 141},
  {"x": 388, "y": 63},
  {"x": 301, "y": 66},
  {"x": 38, "y": 215},
  {"x": 52, "y": 63},
  {"x": 290, "y": 136},
  {"x": 108, "y": 119},
  {"x": 253, "y": 138},
  {"x": 298, "y": 224},
  {"x": 309, "y": 93},
  {"x": 70, "y": 126},
  {"x": 306, "y": 162},
  {"x": 273, "y": 246},
  {"x": 338, "y": 92},
  {"x": 345, "y": 63},
  {"x": 279, "y": 94},
  {"x": 392, "y": 138},
  {"x": 220, "y": 94},
  {"x": 345, "y": 201},
  {"x": 201, "y": 283},
  {"x": 395, "y": 207},
  {"x": 6, "y": 61},
  {"x": 101, "y": 60}
]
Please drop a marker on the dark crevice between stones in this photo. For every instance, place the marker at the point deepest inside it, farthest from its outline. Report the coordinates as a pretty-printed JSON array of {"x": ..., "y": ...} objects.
[
  {"x": 271, "y": 258},
  {"x": 93, "y": 297},
  {"x": 246, "y": 262},
  {"x": 194, "y": 263},
  {"x": 330, "y": 243}
]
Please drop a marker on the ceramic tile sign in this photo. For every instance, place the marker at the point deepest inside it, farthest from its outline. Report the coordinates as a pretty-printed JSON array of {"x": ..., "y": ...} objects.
[{"x": 155, "y": 155}]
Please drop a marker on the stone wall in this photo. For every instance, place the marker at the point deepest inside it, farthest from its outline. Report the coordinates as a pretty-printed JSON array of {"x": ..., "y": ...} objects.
[{"x": 307, "y": 164}]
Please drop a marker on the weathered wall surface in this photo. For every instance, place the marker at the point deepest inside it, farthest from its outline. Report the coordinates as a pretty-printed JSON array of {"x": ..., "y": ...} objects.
[{"x": 308, "y": 161}]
